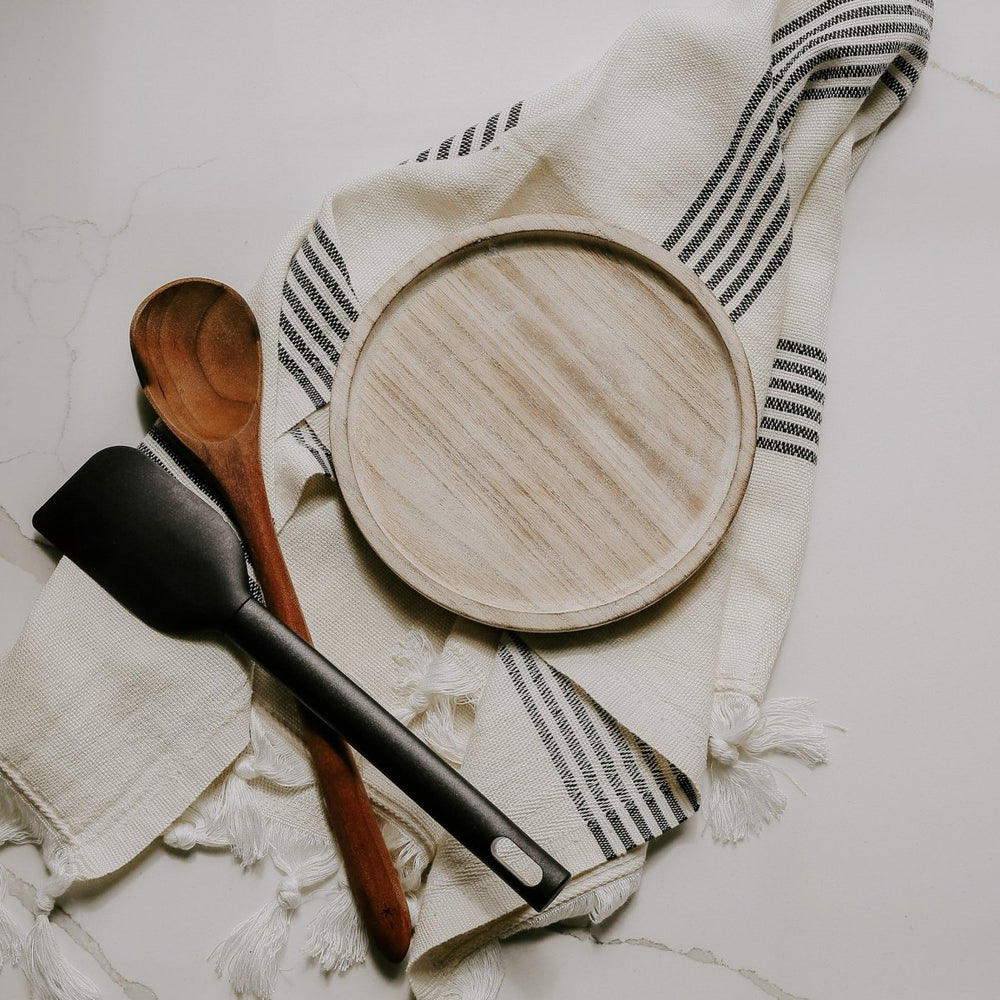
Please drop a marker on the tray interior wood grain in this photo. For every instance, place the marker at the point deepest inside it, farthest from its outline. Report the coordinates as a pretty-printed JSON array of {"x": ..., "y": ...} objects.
[{"x": 544, "y": 423}]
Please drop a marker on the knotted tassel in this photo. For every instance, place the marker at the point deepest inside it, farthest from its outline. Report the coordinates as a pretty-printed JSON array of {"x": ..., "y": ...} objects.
[
  {"x": 238, "y": 820},
  {"x": 249, "y": 958},
  {"x": 267, "y": 760},
  {"x": 790, "y": 726},
  {"x": 232, "y": 818},
  {"x": 744, "y": 795},
  {"x": 192, "y": 830},
  {"x": 10, "y": 939},
  {"x": 432, "y": 686},
  {"x": 49, "y": 975},
  {"x": 337, "y": 938}
]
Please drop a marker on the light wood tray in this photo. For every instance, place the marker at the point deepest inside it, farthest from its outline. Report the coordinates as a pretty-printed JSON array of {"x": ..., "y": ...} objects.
[{"x": 543, "y": 423}]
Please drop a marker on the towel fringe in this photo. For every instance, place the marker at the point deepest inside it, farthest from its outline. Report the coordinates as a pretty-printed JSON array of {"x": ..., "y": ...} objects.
[
  {"x": 11, "y": 942},
  {"x": 431, "y": 689},
  {"x": 596, "y": 905},
  {"x": 249, "y": 958},
  {"x": 478, "y": 976},
  {"x": 282, "y": 767},
  {"x": 411, "y": 857},
  {"x": 17, "y": 824},
  {"x": 193, "y": 830},
  {"x": 608, "y": 899},
  {"x": 229, "y": 816},
  {"x": 435, "y": 686},
  {"x": 49, "y": 974},
  {"x": 12, "y": 832},
  {"x": 337, "y": 939},
  {"x": 412, "y": 860},
  {"x": 745, "y": 796},
  {"x": 239, "y": 822},
  {"x": 234, "y": 820}
]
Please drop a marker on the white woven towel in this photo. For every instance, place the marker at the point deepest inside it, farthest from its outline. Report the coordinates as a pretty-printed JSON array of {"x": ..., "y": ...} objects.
[{"x": 727, "y": 135}]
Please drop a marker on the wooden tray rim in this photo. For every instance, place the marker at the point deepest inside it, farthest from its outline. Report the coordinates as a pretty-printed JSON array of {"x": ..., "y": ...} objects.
[{"x": 461, "y": 242}]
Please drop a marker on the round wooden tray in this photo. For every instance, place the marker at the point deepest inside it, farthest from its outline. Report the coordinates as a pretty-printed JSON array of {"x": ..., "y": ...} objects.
[{"x": 543, "y": 423}]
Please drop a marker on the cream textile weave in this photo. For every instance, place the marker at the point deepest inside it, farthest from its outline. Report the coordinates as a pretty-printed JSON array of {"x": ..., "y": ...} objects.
[{"x": 729, "y": 135}]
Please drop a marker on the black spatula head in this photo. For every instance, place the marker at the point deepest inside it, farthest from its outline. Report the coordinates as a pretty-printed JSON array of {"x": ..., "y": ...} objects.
[{"x": 149, "y": 541}]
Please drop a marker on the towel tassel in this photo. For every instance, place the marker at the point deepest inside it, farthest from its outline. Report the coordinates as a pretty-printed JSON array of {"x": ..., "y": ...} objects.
[
  {"x": 10, "y": 938},
  {"x": 238, "y": 815},
  {"x": 234, "y": 819},
  {"x": 49, "y": 975},
  {"x": 286, "y": 767},
  {"x": 337, "y": 939},
  {"x": 15, "y": 828},
  {"x": 249, "y": 958},
  {"x": 412, "y": 859},
  {"x": 478, "y": 976},
  {"x": 228, "y": 816},
  {"x": 433, "y": 688},
  {"x": 745, "y": 795}
]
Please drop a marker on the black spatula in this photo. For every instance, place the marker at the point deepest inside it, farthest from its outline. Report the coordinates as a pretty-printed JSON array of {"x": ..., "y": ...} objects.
[{"x": 177, "y": 565}]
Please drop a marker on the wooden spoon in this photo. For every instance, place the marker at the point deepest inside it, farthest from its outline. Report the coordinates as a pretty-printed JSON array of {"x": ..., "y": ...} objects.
[{"x": 196, "y": 347}]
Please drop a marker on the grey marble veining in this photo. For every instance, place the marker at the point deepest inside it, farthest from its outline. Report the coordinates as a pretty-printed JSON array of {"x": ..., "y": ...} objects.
[{"x": 880, "y": 881}]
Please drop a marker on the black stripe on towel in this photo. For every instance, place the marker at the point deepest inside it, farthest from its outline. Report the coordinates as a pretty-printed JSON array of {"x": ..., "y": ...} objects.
[
  {"x": 743, "y": 209},
  {"x": 787, "y": 448},
  {"x": 556, "y": 755},
  {"x": 331, "y": 250},
  {"x": 617, "y": 789},
  {"x": 308, "y": 439},
  {"x": 449, "y": 149},
  {"x": 787, "y": 425}
]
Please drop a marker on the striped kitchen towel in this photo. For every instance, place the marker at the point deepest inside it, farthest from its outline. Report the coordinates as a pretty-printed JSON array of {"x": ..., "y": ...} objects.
[{"x": 728, "y": 135}]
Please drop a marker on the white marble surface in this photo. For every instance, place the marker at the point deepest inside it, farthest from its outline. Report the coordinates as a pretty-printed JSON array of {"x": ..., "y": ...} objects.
[{"x": 147, "y": 141}]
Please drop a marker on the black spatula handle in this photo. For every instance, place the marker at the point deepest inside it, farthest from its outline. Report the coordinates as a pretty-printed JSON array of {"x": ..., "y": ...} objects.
[
  {"x": 417, "y": 771},
  {"x": 177, "y": 565}
]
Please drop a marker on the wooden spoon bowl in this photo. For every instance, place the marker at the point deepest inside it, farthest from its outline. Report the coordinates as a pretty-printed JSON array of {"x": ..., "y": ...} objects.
[{"x": 198, "y": 363}]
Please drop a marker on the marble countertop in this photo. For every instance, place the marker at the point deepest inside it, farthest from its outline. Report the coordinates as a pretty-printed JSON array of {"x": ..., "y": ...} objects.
[{"x": 147, "y": 141}]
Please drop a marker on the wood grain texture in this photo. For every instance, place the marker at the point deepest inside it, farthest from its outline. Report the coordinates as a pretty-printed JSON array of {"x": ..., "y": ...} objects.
[
  {"x": 544, "y": 423},
  {"x": 197, "y": 351}
]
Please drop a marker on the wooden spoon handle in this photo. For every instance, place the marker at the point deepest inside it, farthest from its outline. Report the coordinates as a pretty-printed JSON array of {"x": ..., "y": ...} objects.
[{"x": 370, "y": 871}]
